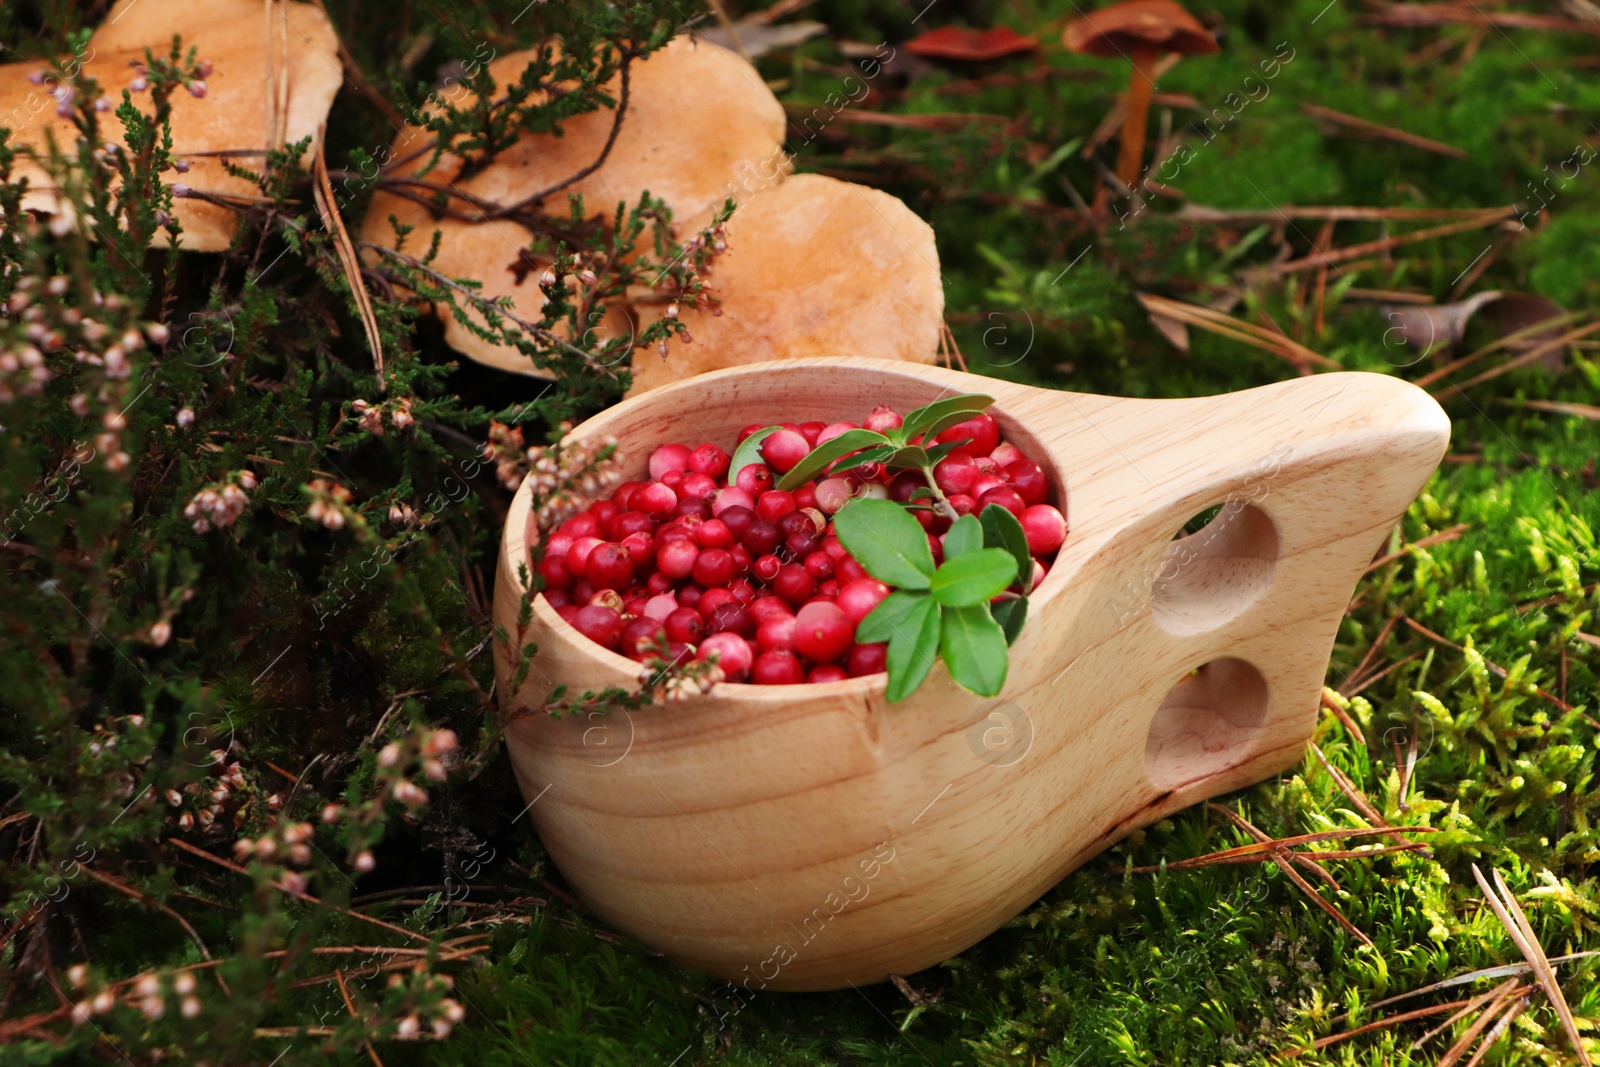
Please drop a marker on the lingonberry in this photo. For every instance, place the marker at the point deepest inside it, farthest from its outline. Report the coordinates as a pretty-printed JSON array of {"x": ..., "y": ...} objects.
[
  {"x": 761, "y": 538},
  {"x": 833, "y": 494},
  {"x": 1006, "y": 454},
  {"x": 659, "y": 606},
  {"x": 629, "y": 522},
  {"x": 656, "y": 499},
  {"x": 731, "y": 652},
  {"x": 805, "y": 497},
  {"x": 689, "y": 595},
  {"x": 962, "y": 503},
  {"x": 673, "y": 479},
  {"x": 713, "y": 599},
  {"x": 553, "y": 569},
  {"x": 604, "y": 511},
  {"x": 774, "y": 504},
  {"x": 755, "y": 479},
  {"x": 767, "y": 567},
  {"x": 732, "y": 497},
  {"x": 676, "y": 559},
  {"x": 905, "y": 483},
  {"x": 673, "y": 457},
  {"x": 599, "y": 624},
  {"x": 829, "y": 589},
  {"x": 980, "y": 433},
  {"x": 812, "y": 432},
  {"x": 696, "y": 506},
  {"x": 1006, "y": 497},
  {"x": 581, "y": 525},
  {"x": 737, "y": 520},
  {"x": 832, "y": 430},
  {"x": 709, "y": 460},
  {"x": 776, "y": 632},
  {"x": 820, "y": 566},
  {"x": 713, "y": 533},
  {"x": 794, "y": 583},
  {"x": 795, "y": 522},
  {"x": 582, "y": 592},
  {"x": 777, "y": 666},
  {"x": 882, "y": 419},
  {"x": 639, "y": 636},
  {"x": 624, "y": 494},
  {"x": 1028, "y": 479},
  {"x": 731, "y": 618},
  {"x": 578, "y": 555},
  {"x": 685, "y": 624},
  {"x": 610, "y": 566},
  {"x": 697, "y": 486},
  {"x": 955, "y": 473},
  {"x": 823, "y": 632},
  {"x": 867, "y": 659},
  {"x": 857, "y": 598},
  {"x": 714, "y": 567},
  {"x": 748, "y": 430},
  {"x": 558, "y": 544},
  {"x": 642, "y": 547},
  {"x": 828, "y": 672},
  {"x": 742, "y": 560},
  {"x": 801, "y": 544},
  {"x": 742, "y": 590},
  {"x": 784, "y": 449},
  {"x": 558, "y": 597},
  {"x": 1045, "y": 529},
  {"x": 569, "y": 614},
  {"x": 658, "y": 583}
]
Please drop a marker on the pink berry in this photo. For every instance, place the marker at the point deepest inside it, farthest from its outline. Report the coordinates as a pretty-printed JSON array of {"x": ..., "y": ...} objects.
[
  {"x": 599, "y": 624},
  {"x": 714, "y": 567},
  {"x": 610, "y": 567},
  {"x": 1028, "y": 479},
  {"x": 732, "y": 497},
  {"x": 820, "y": 566},
  {"x": 955, "y": 473},
  {"x": 1006, "y": 497},
  {"x": 857, "y": 598},
  {"x": 676, "y": 559},
  {"x": 661, "y": 606},
  {"x": 673, "y": 457},
  {"x": 732, "y": 653},
  {"x": 882, "y": 419},
  {"x": 981, "y": 434},
  {"x": 833, "y": 494},
  {"x": 784, "y": 449},
  {"x": 709, "y": 460},
  {"x": 1006, "y": 454},
  {"x": 777, "y": 666},
  {"x": 962, "y": 503},
  {"x": 686, "y": 625},
  {"x": 655, "y": 499},
  {"x": 834, "y": 429},
  {"x": 823, "y": 632},
  {"x": 767, "y": 567},
  {"x": 1045, "y": 528},
  {"x": 867, "y": 659},
  {"x": 697, "y": 486},
  {"x": 578, "y": 555}
]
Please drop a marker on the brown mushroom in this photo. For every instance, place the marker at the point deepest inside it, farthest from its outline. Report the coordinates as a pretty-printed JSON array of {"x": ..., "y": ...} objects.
[
  {"x": 814, "y": 267},
  {"x": 275, "y": 72},
  {"x": 1140, "y": 31},
  {"x": 700, "y": 126}
]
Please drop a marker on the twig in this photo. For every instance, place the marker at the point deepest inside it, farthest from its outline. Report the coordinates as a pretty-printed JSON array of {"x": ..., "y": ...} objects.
[
  {"x": 1341, "y": 255},
  {"x": 124, "y": 888},
  {"x": 322, "y": 193},
  {"x": 1532, "y": 355},
  {"x": 350, "y": 1005},
  {"x": 1452, "y": 534},
  {"x": 1388, "y": 133},
  {"x": 1497, "y": 669}
]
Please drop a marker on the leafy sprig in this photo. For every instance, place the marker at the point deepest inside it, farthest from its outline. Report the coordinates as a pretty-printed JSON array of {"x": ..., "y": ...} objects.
[{"x": 949, "y": 611}]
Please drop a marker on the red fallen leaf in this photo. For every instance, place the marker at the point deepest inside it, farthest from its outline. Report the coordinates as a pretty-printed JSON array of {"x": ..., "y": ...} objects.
[{"x": 958, "y": 42}]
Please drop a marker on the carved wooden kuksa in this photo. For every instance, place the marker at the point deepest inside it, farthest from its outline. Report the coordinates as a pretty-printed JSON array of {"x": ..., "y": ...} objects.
[{"x": 810, "y": 836}]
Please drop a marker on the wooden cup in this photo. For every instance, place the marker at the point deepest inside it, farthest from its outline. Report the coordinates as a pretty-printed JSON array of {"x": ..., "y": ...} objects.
[{"x": 806, "y": 837}]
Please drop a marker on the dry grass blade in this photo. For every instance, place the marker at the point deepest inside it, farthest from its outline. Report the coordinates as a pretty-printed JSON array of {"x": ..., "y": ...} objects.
[
  {"x": 1205, "y": 318},
  {"x": 1343, "y": 255},
  {"x": 350, "y": 1006},
  {"x": 1530, "y": 332},
  {"x": 1378, "y": 130},
  {"x": 1498, "y": 1030},
  {"x": 1470, "y": 1036},
  {"x": 1532, "y": 355},
  {"x": 327, "y": 207},
  {"x": 1452, "y": 534},
  {"x": 1511, "y": 916},
  {"x": 1557, "y": 407},
  {"x": 1468, "y": 1007}
]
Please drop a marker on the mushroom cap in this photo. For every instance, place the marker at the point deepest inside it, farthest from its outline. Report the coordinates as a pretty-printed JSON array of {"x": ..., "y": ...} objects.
[
  {"x": 233, "y": 115},
  {"x": 1136, "y": 24},
  {"x": 814, "y": 267},
  {"x": 701, "y": 126}
]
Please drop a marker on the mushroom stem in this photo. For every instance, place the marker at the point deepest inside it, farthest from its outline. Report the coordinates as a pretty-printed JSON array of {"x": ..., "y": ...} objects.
[{"x": 1141, "y": 84}]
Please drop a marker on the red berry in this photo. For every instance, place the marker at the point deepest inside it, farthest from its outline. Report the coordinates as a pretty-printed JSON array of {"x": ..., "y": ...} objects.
[
  {"x": 630, "y": 522},
  {"x": 582, "y": 592},
  {"x": 713, "y": 533},
  {"x": 709, "y": 460},
  {"x": 748, "y": 430},
  {"x": 1045, "y": 528},
  {"x": 981, "y": 434},
  {"x": 867, "y": 659},
  {"x": 858, "y": 598},
  {"x": 659, "y": 606},
  {"x": 754, "y": 479},
  {"x": 689, "y": 595},
  {"x": 801, "y": 544},
  {"x": 849, "y": 570},
  {"x": 774, "y": 504},
  {"x": 642, "y": 547},
  {"x": 903, "y": 484},
  {"x": 829, "y": 589},
  {"x": 832, "y": 430},
  {"x": 761, "y": 538},
  {"x": 741, "y": 559},
  {"x": 777, "y": 666},
  {"x": 578, "y": 555},
  {"x": 697, "y": 506},
  {"x": 599, "y": 624},
  {"x": 672, "y": 457},
  {"x": 962, "y": 503},
  {"x": 557, "y": 597},
  {"x": 820, "y": 566},
  {"x": 985, "y": 482},
  {"x": 732, "y": 654},
  {"x": 581, "y": 525},
  {"x": 1006, "y": 497},
  {"x": 731, "y": 618},
  {"x": 557, "y": 545},
  {"x": 568, "y": 613},
  {"x": 805, "y": 497},
  {"x": 676, "y": 559},
  {"x": 737, "y": 520},
  {"x": 742, "y": 590},
  {"x": 685, "y": 624},
  {"x": 714, "y": 567},
  {"x": 828, "y": 672},
  {"x": 1028, "y": 479},
  {"x": 555, "y": 573},
  {"x": 776, "y": 632},
  {"x": 655, "y": 499},
  {"x": 639, "y": 636},
  {"x": 604, "y": 511},
  {"x": 698, "y": 486},
  {"x": 610, "y": 567},
  {"x": 823, "y": 632},
  {"x": 767, "y": 567},
  {"x": 1006, "y": 454},
  {"x": 882, "y": 419},
  {"x": 955, "y": 473},
  {"x": 624, "y": 493},
  {"x": 784, "y": 449},
  {"x": 794, "y": 584},
  {"x": 732, "y": 497}
]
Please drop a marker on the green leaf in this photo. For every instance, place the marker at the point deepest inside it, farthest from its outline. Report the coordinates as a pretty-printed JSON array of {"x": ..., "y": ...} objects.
[
  {"x": 1010, "y": 614},
  {"x": 938, "y": 452},
  {"x": 1001, "y": 529},
  {"x": 818, "y": 458},
  {"x": 974, "y": 648},
  {"x": 907, "y": 457},
  {"x": 887, "y": 541},
  {"x": 974, "y": 577},
  {"x": 748, "y": 452},
  {"x": 919, "y": 420},
  {"x": 890, "y": 617},
  {"x": 966, "y": 535},
  {"x": 955, "y": 418},
  {"x": 870, "y": 455},
  {"x": 913, "y": 648}
]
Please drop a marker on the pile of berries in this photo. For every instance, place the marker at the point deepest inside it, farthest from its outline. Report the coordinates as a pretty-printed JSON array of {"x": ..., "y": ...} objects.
[{"x": 687, "y": 565}]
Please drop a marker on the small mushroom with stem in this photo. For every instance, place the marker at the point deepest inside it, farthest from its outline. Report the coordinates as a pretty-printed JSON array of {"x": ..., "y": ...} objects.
[{"x": 1140, "y": 31}]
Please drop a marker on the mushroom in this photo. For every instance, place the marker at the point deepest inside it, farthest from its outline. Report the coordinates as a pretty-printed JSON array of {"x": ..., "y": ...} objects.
[
  {"x": 275, "y": 72},
  {"x": 814, "y": 267},
  {"x": 1139, "y": 31},
  {"x": 699, "y": 124}
]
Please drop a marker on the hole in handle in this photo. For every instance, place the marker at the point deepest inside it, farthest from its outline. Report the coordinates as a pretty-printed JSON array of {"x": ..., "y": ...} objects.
[
  {"x": 1206, "y": 724},
  {"x": 1212, "y": 575}
]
